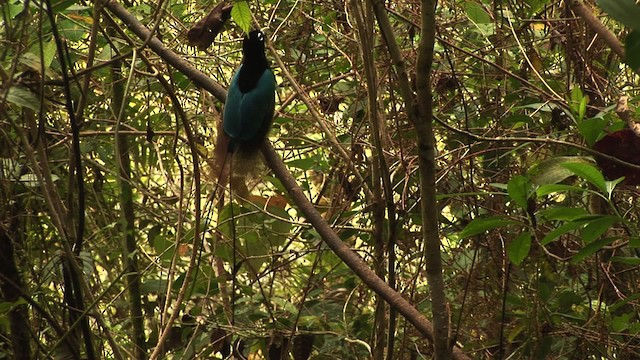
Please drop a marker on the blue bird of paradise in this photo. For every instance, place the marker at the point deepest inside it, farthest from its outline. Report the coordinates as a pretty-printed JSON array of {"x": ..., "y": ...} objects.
[{"x": 250, "y": 104}]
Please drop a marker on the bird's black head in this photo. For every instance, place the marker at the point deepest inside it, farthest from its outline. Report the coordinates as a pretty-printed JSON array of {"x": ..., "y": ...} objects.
[
  {"x": 253, "y": 47},
  {"x": 254, "y": 61}
]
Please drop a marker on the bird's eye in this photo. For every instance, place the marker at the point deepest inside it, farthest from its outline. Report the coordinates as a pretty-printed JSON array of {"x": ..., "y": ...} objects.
[{"x": 260, "y": 36}]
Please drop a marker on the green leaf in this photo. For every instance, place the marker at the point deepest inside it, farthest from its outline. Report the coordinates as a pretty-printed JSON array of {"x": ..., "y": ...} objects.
[
  {"x": 562, "y": 213},
  {"x": 611, "y": 184},
  {"x": 480, "y": 225},
  {"x": 14, "y": 9},
  {"x": 634, "y": 242},
  {"x": 556, "y": 188},
  {"x": 23, "y": 97},
  {"x": 72, "y": 30},
  {"x": 60, "y": 6},
  {"x": 551, "y": 170},
  {"x": 591, "y": 249},
  {"x": 241, "y": 15},
  {"x": 476, "y": 13},
  {"x": 519, "y": 189},
  {"x": 625, "y": 11},
  {"x": 561, "y": 230},
  {"x": 632, "y": 49},
  {"x": 589, "y": 173},
  {"x": 153, "y": 286},
  {"x": 621, "y": 323},
  {"x": 597, "y": 227},
  {"x": 582, "y": 109},
  {"x": 633, "y": 261},
  {"x": 631, "y": 298},
  {"x": 576, "y": 99},
  {"x": 49, "y": 52},
  {"x": 591, "y": 129},
  {"x": 519, "y": 248}
]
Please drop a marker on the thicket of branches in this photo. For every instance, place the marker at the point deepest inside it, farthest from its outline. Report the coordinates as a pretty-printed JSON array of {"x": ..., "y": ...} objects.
[{"x": 116, "y": 240}]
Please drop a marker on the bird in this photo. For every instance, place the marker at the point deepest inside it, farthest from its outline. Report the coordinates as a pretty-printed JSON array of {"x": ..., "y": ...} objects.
[{"x": 250, "y": 103}]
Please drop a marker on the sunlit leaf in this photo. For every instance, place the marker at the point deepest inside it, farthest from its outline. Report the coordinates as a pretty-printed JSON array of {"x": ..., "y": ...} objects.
[
  {"x": 476, "y": 13},
  {"x": 551, "y": 170},
  {"x": 589, "y": 173},
  {"x": 241, "y": 15}
]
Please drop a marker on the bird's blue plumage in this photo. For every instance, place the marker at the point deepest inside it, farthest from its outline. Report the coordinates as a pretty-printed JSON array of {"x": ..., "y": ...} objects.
[{"x": 251, "y": 96}]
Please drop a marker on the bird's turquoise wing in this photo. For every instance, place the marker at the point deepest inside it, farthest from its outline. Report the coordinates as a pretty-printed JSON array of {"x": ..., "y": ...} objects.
[
  {"x": 247, "y": 116},
  {"x": 231, "y": 117},
  {"x": 256, "y": 109}
]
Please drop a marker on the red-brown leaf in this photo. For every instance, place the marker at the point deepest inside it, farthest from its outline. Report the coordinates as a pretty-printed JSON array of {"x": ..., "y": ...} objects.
[
  {"x": 625, "y": 145},
  {"x": 205, "y": 31}
]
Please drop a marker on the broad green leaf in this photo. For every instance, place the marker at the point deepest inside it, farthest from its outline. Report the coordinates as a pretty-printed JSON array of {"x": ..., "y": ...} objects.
[
  {"x": 49, "y": 51},
  {"x": 621, "y": 322},
  {"x": 73, "y": 30},
  {"x": 535, "y": 6},
  {"x": 556, "y": 188},
  {"x": 476, "y": 13},
  {"x": 153, "y": 286},
  {"x": 163, "y": 246},
  {"x": 60, "y": 6},
  {"x": 634, "y": 242},
  {"x": 591, "y": 249},
  {"x": 516, "y": 331},
  {"x": 519, "y": 248},
  {"x": 591, "y": 129},
  {"x": 634, "y": 261},
  {"x": 519, "y": 189},
  {"x": 582, "y": 108},
  {"x": 611, "y": 184},
  {"x": 576, "y": 99},
  {"x": 23, "y": 97},
  {"x": 14, "y": 9},
  {"x": 480, "y": 225},
  {"x": 303, "y": 164},
  {"x": 285, "y": 305},
  {"x": 589, "y": 173},
  {"x": 499, "y": 186},
  {"x": 551, "y": 170},
  {"x": 625, "y": 11},
  {"x": 562, "y": 213},
  {"x": 632, "y": 49},
  {"x": 597, "y": 227},
  {"x": 241, "y": 15},
  {"x": 561, "y": 230}
]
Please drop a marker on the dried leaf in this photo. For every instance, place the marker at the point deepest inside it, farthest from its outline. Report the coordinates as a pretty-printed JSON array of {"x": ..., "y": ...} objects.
[{"x": 205, "y": 31}]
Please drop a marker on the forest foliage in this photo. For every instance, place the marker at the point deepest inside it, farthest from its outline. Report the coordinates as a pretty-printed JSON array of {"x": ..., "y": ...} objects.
[{"x": 120, "y": 240}]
